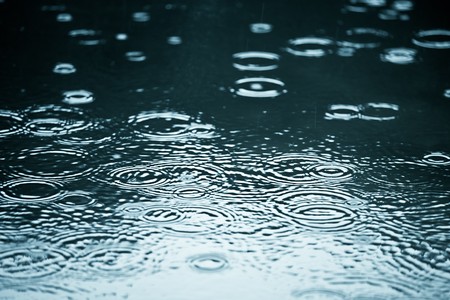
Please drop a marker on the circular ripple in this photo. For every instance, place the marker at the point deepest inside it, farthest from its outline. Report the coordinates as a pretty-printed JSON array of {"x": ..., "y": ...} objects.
[
  {"x": 86, "y": 37},
  {"x": 142, "y": 176},
  {"x": 399, "y": 56},
  {"x": 55, "y": 120},
  {"x": 310, "y": 46},
  {"x": 26, "y": 263},
  {"x": 364, "y": 38},
  {"x": 25, "y": 190},
  {"x": 190, "y": 192},
  {"x": 259, "y": 87},
  {"x": 141, "y": 16},
  {"x": 379, "y": 111},
  {"x": 64, "y": 69},
  {"x": 331, "y": 171},
  {"x": 323, "y": 210},
  {"x": 318, "y": 294},
  {"x": 115, "y": 261},
  {"x": 255, "y": 61},
  {"x": 76, "y": 200},
  {"x": 437, "y": 158},
  {"x": 64, "y": 17},
  {"x": 161, "y": 126},
  {"x": 434, "y": 39},
  {"x": 174, "y": 40},
  {"x": 342, "y": 112},
  {"x": 210, "y": 262},
  {"x": 10, "y": 123},
  {"x": 190, "y": 220},
  {"x": 261, "y": 27},
  {"x": 78, "y": 97},
  {"x": 293, "y": 169},
  {"x": 51, "y": 163},
  {"x": 135, "y": 56}
]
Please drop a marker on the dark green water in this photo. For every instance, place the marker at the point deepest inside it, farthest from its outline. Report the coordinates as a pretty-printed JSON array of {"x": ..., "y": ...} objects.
[{"x": 224, "y": 149}]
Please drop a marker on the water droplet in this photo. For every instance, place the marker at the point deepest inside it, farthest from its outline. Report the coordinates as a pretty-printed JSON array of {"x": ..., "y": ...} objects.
[
  {"x": 29, "y": 190},
  {"x": 437, "y": 158},
  {"x": 364, "y": 38},
  {"x": 379, "y": 111},
  {"x": 400, "y": 56},
  {"x": 86, "y": 37},
  {"x": 10, "y": 123},
  {"x": 135, "y": 56},
  {"x": 318, "y": 294},
  {"x": 174, "y": 40},
  {"x": 310, "y": 46},
  {"x": 255, "y": 61},
  {"x": 342, "y": 112},
  {"x": 210, "y": 262},
  {"x": 55, "y": 120},
  {"x": 78, "y": 97},
  {"x": 51, "y": 162},
  {"x": 121, "y": 36},
  {"x": 163, "y": 215},
  {"x": 141, "y": 16},
  {"x": 64, "y": 69},
  {"x": 27, "y": 263},
  {"x": 261, "y": 27},
  {"x": 259, "y": 87},
  {"x": 64, "y": 17},
  {"x": 434, "y": 39}
]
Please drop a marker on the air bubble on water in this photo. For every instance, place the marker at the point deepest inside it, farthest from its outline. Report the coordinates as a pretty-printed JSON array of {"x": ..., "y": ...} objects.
[
  {"x": 78, "y": 97},
  {"x": 141, "y": 16},
  {"x": 433, "y": 39},
  {"x": 64, "y": 68},
  {"x": 64, "y": 17},
  {"x": 174, "y": 40},
  {"x": 399, "y": 56},
  {"x": 261, "y": 27}
]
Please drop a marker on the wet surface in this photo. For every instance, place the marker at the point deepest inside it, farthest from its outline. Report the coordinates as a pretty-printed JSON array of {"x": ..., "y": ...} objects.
[{"x": 224, "y": 150}]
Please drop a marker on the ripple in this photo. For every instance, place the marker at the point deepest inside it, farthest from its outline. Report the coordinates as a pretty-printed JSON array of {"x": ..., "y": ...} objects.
[
  {"x": 342, "y": 112},
  {"x": 310, "y": 46},
  {"x": 319, "y": 294},
  {"x": 10, "y": 123},
  {"x": 379, "y": 111},
  {"x": 174, "y": 40},
  {"x": 255, "y": 61},
  {"x": 64, "y": 68},
  {"x": 121, "y": 36},
  {"x": 141, "y": 16},
  {"x": 399, "y": 56},
  {"x": 27, "y": 263},
  {"x": 437, "y": 158},
  {"x": 191, "y": 192},
  {"x": 138, "y": 176},
  {"x": 261, "y": 27},
  {"x": 434, "y": 39},
  {"x": 135, "y": 56},
  {"x": 64, "y": 18},
  {"x": 86, "y": 37},
  {"x": 161, "y": 126},
  {"x": 332, "y": 171},
  {"x": 78, "y": 97},
  {"x": 209, "y": 262},
  {"x": 259, "y": 87},
  {"x": 364, "y": 38},
  {"x": 51, "y": 163},
  {"x": 55, "y": 120},
  {"x": 163, "y": 215},
  {"x": 447, "y": 93},
  {"x": 26, "y": 190},
  {"x": 325, "y": 210},
  {"x": 76, "y": 200},
  {"x": 403, "y": 5}
]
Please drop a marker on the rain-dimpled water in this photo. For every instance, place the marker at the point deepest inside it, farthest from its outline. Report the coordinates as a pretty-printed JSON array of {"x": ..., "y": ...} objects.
[{"x": 225, "y": 149}]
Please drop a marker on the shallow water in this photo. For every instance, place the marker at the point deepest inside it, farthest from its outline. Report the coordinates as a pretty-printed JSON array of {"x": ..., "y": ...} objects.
[{"x": 224, "y": 150}]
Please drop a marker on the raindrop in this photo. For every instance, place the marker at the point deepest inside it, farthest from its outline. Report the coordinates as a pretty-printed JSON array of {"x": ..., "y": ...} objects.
[
  {"x": 27, "y": 263},
  {"x": 318, "y": 294},
  {"x": 78, "y": 97},
  {"x": 174, "y": 40},
  {"x": 379, "y": 111},
  {"x": 64, "y": 17},
  {"x": 400, "y": 56},
  {"x": 310, "y": 46},
  {"x": 342, "y": 112},
  {"x": 364, "y": 38},
  {"x": 437, "y": 158},
  {"x": 163, "y": 215},
  {"x": 141, "y": 16},
  {"x": 55, "y": 120},
  {"x": 135, "y": 56},
  {"x": 64, "y": 69},
  {"x": 10, "y": 123},
  {"x": 434, "y": 39},
  {"x": 31, "y": 190},
  {"x": 121, "y": 36},
  {"x": 210, "y": 262},
  {"x": 259, "y": 87},
  {"x": 255, "y": 61},
  {"x": 50, "y": 162},
  {"x": 261, "y": 27},
  {"x": 86, "y": 37}
]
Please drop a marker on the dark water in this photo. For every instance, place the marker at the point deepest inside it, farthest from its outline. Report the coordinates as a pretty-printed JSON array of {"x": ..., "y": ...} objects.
[{"x": 224, "y": 149}]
